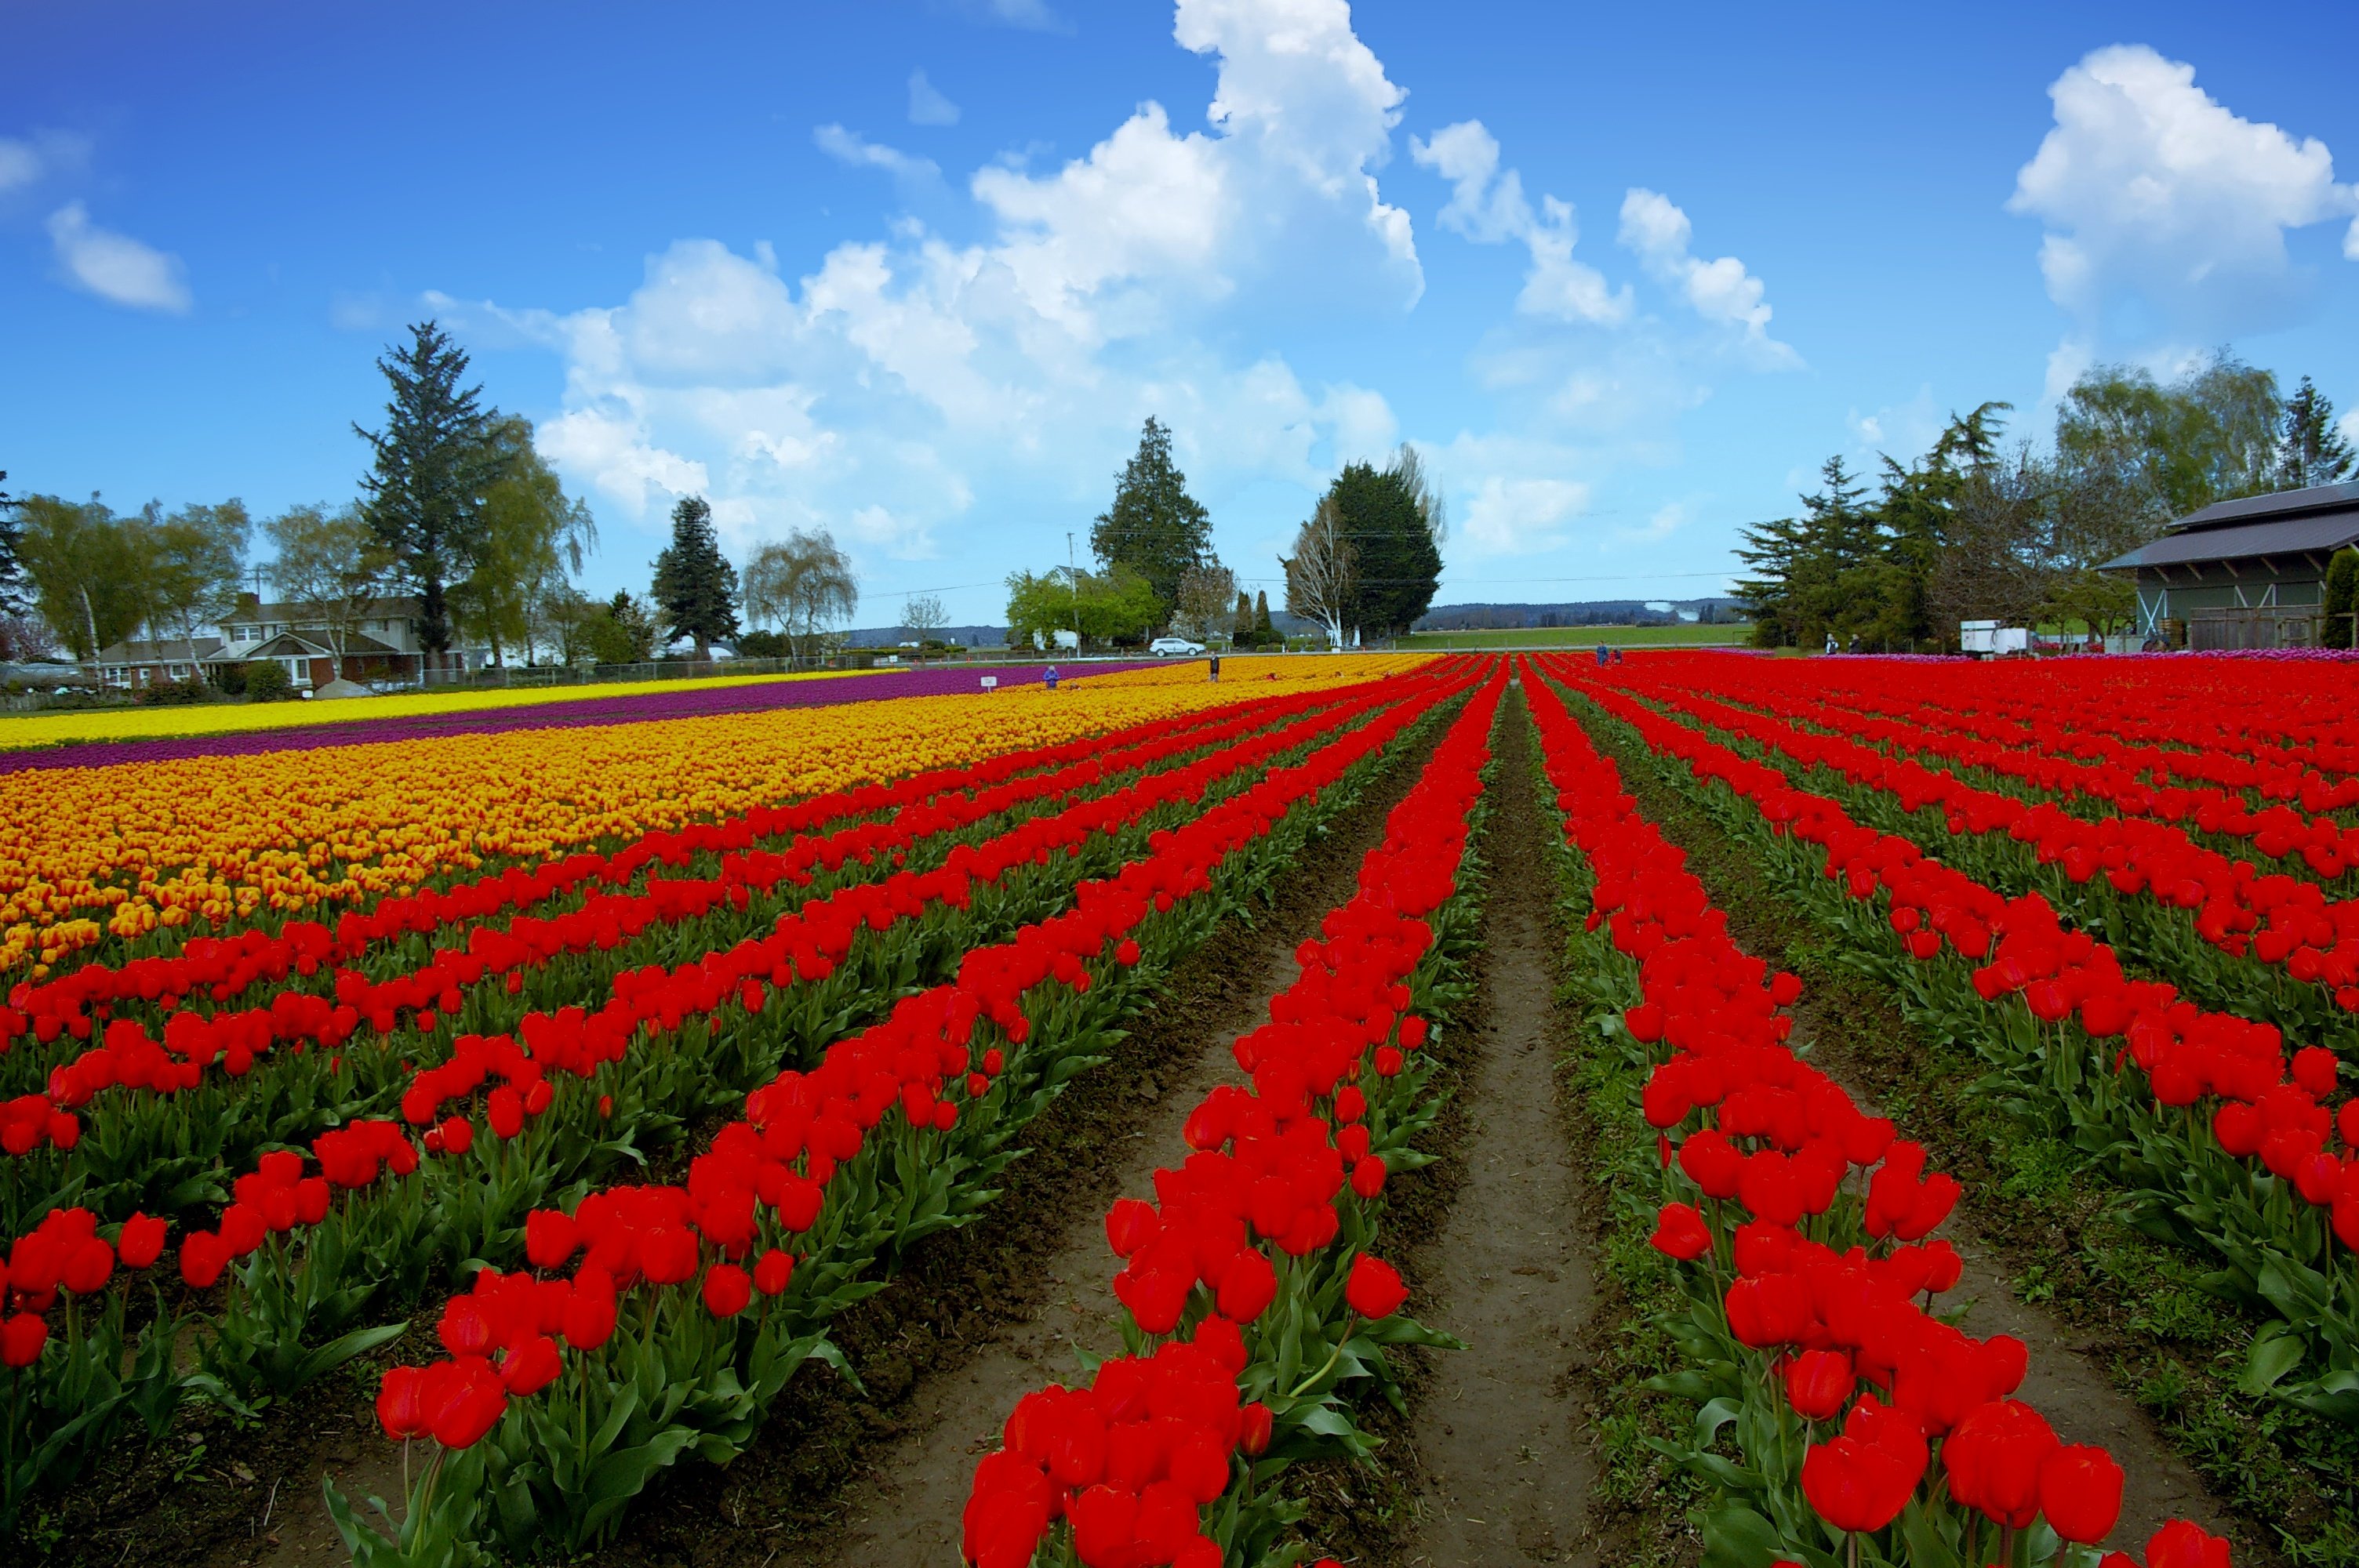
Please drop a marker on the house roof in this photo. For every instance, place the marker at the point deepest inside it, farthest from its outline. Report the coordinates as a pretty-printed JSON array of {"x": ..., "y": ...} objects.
[
  {"x": 2322, "y": 518},
  {"x": 396, "y": 605},
  {"x": 173, "y": 650}
]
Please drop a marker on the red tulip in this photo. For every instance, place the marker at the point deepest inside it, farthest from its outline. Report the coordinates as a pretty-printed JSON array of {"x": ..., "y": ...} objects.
[
  {"x": 2180, "y": 1544},
  {"x": 550, "y": 1238},
  {"x": 1130, "y": 1224},
  {"x": 1247, "y": 1286},
  {"x": 1818, "y": 1384},
  {"x": 400, "y": 1407},
  {"x": 772, "y": 1271},
  {"x": 1254, "y": 1429},
  {"x": 203, "y": 1256},
  {"x": 2081, "y": 1493},
  {"x": 141, "y": 1242},
  {"x": 1373, "y": 1288},
  {"x": 1679, "y": 1232},
  {"x": 531, "y": 1366},
  {"x": 727, "y": 1289},
  {"x": 21, "y": 1338},
  {"x": 470, "y": 1404}
]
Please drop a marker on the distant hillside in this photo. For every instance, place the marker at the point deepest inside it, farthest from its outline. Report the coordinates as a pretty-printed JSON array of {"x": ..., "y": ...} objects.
[
  {"x": 1583, "y": 612},
  {"x": 959, "y": 636}
]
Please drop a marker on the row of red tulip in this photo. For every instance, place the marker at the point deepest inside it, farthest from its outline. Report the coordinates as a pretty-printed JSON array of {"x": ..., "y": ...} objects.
[
  {"x": 2119, "y": 782},
  {"x": 862, "y": 825},
  {"x": 1251, "y": 1267},
  {"x": 2232, "y": 1123},
  {"x": 286, "y": 1295},
  {"x": 2274, "y": 919},
  {"x": 810, "y": 938},
  {"x": 1872, "y": 1430},
  {"x": 218, "y": 968},
  {"x": 896, "y": 1132}
]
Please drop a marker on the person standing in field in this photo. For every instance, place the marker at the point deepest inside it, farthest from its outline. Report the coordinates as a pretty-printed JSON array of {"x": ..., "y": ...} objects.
[{"x": 1216, "y": 669}]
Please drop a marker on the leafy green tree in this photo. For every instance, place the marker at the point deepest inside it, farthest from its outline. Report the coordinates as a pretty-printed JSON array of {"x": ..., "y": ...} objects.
[
  {"x": 85, "y": 571},
  {"x": 1115, "y": 606},
  {"x": 1153, "y": 526},
  {"x": 2211, "y": 435},
  {"x": 804, "y": 583},
  {"x": 435, "y": 461},
  {"x": 192, "y": 561},
  {"x": 332, "y": 568},
  {"x": 2310, "y": 449},
  {"x": 532, "y": 540},
  {"x": 621, "y": 632},
  {"x": 695, "y": 587},
  {"x": 1384, "y": 516},
  {"x": 2342, "y": 598}
]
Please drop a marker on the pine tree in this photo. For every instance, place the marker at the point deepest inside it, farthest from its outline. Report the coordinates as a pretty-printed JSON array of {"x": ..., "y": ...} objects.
[
  {"x": 1385, "y": 518},
  {"x": 695, "y": 586},
  {"x": 434, "y": 461},
  {"x": 1265, "y": 633},
  {"x": 1153, "y": 526},
  {"x": 1241, "y": 624},
  {"x": 2311, "y": 450},
  {"x": 13, "y": 601}
]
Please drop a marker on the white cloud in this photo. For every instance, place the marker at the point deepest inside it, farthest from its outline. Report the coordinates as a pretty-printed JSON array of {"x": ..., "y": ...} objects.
[
  {"x": 881, "y": 387},
  {"x": 26, "y": 160},
  {"x": 1032, "y": 13},
  {"x": 855, "y": 151},
  {"x": 1657, "y": 233},
  {"x": 1665, "y": 521},
  {"x": 115, "y": 266},
  {"x": 1489, "y": 208},
  {"x": 2349, "y": 426},
  {"x": 926, "y": 105},
  {"x": 1523, "y": 516},
  {"x": 2153, "y": 192}
]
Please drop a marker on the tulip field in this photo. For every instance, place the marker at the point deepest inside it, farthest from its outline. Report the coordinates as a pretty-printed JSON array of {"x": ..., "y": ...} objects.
[{"x": 558, "y": 1096}]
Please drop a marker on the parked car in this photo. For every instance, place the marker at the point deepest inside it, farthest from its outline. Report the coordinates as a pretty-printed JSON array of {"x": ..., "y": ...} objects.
[{"x": 1174, "y": 647}]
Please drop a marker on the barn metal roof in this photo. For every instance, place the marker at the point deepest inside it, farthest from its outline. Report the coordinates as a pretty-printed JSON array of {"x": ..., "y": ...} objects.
[{"x": 2322, "y": 518}]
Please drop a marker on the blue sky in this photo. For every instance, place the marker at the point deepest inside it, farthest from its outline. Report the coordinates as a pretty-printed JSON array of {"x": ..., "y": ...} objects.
[{"x": 915, "y": 270}]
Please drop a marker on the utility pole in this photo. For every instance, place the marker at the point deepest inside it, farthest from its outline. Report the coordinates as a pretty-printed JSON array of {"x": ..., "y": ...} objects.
[{"x": 1073, "y": 575}]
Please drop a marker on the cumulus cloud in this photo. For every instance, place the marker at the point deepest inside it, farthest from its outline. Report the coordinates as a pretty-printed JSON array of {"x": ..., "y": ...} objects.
[
  {"x": 2156, "y": 196},
  {"x": 855, "y": 151},
  {"x": 1488, "y": 206},
  {"x": 1657, "y": 233},
  {"x": 926, "y": 105},
  {"x": 884, "y": 386},
  {"x": 115, "y": 266},
  {"x": 1522, "y": 516}
]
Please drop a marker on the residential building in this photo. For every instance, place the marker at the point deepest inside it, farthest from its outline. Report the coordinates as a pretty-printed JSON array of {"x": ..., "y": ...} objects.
[{"x": 383, "y": 648}]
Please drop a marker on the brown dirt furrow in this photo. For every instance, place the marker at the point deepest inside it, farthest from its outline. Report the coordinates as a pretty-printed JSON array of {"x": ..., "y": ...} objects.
[{"x": 1507, "y": 1454}]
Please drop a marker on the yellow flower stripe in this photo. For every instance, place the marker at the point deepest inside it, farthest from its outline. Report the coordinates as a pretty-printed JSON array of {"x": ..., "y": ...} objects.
[
  {"x": 17, "y": 731},
  {"x": 86, "y": 853}
]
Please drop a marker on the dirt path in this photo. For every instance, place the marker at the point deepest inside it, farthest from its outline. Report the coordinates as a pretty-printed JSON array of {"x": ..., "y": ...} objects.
[
  {"x": 1844, "y": 1027},
  {"x": 1507, "y": 1467}
]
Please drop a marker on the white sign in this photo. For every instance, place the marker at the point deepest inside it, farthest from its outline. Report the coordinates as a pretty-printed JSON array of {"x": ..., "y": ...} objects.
[{"x": 991, "y": 683}]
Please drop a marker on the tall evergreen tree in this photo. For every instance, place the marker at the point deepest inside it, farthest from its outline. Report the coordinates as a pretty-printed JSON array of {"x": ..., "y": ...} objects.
[
  {"x": 1264, "y": 630},
  {"x": 1241, "y": 624},
  {"x": 1398, "y": 564},
  {"x": 13, "y": 601},
  {"x": 2312, "y": 450},
  {"x": 695, "y": 587},
  {"x": 1153, "y": 526},
  {"x": 435, "y": 458}
]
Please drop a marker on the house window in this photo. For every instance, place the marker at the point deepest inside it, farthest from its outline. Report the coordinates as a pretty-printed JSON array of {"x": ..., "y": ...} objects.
[{"x": 179, "y": 672}]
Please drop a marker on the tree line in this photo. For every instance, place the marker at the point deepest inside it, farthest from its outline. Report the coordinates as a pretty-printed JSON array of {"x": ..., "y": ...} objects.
[
  {"x": 1368, "y": 561},
  {"x": 456, "y": 510},
  {"x": 1979, "y": 528}
]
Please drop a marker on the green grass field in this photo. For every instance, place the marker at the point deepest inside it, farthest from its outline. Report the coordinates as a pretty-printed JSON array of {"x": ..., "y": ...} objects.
[{"x": 1685, "y": 635}]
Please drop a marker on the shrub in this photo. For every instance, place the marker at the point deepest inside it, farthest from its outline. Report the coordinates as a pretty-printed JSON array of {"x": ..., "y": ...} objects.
[
  {"x": 267, "y": 680},
  {"x": 171, "y": 693}
]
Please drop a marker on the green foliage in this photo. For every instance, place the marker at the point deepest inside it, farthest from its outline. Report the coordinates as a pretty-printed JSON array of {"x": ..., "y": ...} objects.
[
  {"x": 171, "y": 693},
  {"x": 332, "y": 568},
  {"x": 436, "y": 458},
  {"x": 620, "y": 631},
  {"x": 2310, "y": 448},
  {"x": 1154, "y": 528},
  {"x": 1116, "y": 606},
  {"x": 2342, "y": 597},
  {"x": 695, "y": 587},
  {"x": 13, "y": 601},
  {"x": 84, "y": 572},
  {"x": 533, "y": 537},
  {"x": 267, "y": 680},
  {"x": 764, "y": 646},
  {"x": 2210, "y": 436},
  {"x": 805, "y": 584},
  {"x": 1397, "y": 562},
  {"x": 1264, "y": 630}
]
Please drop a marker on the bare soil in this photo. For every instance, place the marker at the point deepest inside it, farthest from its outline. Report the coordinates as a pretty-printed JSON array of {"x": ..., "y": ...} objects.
[{"x": 1504, "y": 1448}]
